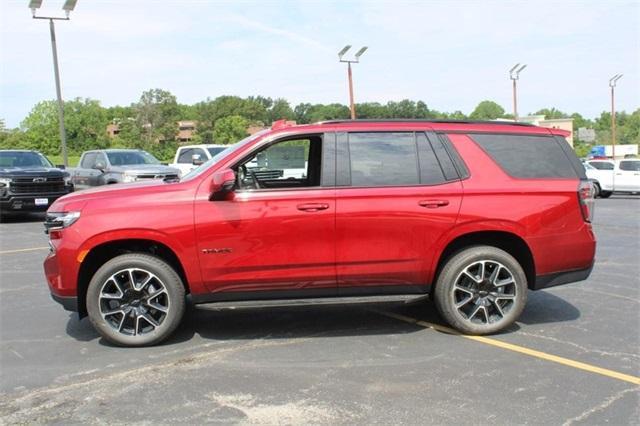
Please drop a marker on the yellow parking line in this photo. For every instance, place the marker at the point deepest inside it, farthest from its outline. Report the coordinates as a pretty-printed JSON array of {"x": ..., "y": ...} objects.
[
  {"x": 520, "y": 349},
  {"x": 23, "y": 250}
]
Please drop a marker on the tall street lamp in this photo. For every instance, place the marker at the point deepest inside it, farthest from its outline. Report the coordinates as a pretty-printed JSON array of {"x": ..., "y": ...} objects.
[
  {"x": 612, "y": 83},
  {"x": 352, "y": 105},
  {"x": 514, "y": 75},
  {"x": 68, "y": 6}
]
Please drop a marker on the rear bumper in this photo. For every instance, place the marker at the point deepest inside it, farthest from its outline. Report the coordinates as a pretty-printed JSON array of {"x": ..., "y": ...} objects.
[
  {"x": 69, "y": 303},
  {"x": 559, "y": 278}
]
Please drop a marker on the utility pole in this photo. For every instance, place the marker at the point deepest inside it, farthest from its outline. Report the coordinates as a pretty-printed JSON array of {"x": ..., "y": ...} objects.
[
  {"x": 68, "y": 6},
  {"x": 514, "y": 75},
  {"x": 352, "y": 105},
  {"x": 612, "y": 83}
]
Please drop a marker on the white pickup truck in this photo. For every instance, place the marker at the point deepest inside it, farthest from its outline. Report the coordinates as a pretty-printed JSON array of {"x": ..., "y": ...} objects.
[
  {"x": 189, "y": 157},
  {"x": 614, "y": 176}
]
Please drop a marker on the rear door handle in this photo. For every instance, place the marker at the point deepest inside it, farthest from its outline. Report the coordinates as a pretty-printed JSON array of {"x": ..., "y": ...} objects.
[
  {"x": 433, "y": 204},
  {"x": 313, "y": 207}
]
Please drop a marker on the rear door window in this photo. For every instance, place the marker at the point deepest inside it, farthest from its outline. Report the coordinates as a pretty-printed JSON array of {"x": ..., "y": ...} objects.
[
  {"x": 630, "y": 166},
  {"x": 601, "y": 165},
  {"x": 527, "y": 156},
  {"x": 383, "y": 159}
]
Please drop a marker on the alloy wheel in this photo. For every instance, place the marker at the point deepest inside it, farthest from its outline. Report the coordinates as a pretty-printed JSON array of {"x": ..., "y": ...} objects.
[
  {"x": 484, "y": 292},
  {"x": 134, "y": 301}
]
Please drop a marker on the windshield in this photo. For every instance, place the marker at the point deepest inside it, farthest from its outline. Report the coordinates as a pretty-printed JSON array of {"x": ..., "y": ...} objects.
[
  {"x": 23, "y": 159},
  {"x": 123, "y": 158},
  {"x": 216, "y": 150},
  {"x": 221, "y": 155}
]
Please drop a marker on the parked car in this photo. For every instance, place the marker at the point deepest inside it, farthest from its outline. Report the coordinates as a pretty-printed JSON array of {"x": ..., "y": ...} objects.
[
  {"x": 189, "y": 157},
  {"x": 608, "y": 176},
  {"x": 29, "y": 182},
  {"x": 109, "y": 166},
  {"x": 473, "y": 214}
]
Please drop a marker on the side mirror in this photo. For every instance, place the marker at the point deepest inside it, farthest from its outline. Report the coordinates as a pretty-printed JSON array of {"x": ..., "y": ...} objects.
[
  {"x": 61, "y": 166},
  {"x": 196, "y": 160},
  {"x": 223, "y": 182},
  {"x": 100, "y": 166}
]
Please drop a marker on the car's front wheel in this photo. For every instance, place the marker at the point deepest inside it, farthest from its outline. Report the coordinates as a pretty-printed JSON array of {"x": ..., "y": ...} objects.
[
  {"x": 135, "y": 300},
  {"x": 481, "y": 290}
]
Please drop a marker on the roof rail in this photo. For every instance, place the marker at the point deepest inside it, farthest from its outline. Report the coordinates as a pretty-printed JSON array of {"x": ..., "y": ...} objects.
[{"x": 419, "y": 120}]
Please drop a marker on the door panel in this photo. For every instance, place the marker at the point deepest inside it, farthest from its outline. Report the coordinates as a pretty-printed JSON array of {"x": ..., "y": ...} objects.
[
  {"x": 267, "y": 240},
  {"x": 385, "y": 236},
  {"x": 627, "y": 180}
]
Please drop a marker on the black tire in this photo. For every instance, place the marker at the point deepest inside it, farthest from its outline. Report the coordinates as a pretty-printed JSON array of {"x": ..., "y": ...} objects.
[
  {"x": 163, "y": 290},
  {"x": 596, "y": 190},
  {"x": 605, "y": 194},
  {"x": 454, "y": 286}
]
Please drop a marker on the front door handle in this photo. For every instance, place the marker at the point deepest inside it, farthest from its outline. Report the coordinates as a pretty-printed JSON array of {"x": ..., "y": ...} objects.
[
  {"x": 433, "y": 204},
  {"x": 313, "y": 207}
]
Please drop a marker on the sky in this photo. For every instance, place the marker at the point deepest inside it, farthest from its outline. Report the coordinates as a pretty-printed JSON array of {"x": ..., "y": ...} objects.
[{"x": 450, "y": 54}]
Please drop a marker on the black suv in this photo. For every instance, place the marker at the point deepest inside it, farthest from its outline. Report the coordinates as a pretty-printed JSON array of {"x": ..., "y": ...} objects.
[{"x": 29, "y": 182}]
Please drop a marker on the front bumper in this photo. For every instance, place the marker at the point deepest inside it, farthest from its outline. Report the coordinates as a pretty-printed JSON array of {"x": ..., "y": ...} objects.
[
  {"x": 69, "y": 303},
  {"x": 27, "y": 202}
]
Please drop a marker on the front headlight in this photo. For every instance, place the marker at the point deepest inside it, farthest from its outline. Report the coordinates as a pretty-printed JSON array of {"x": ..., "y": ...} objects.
[
  {"x": 60, "y": 220},
  {"x": 4, "y": 182},
  {"x": 126, "y": 178},
  {"x": 67, "y": 179}
]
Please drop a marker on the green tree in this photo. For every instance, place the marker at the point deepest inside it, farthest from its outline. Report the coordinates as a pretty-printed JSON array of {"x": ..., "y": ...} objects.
[
  {"x": 157, "y": 114},
  {"x": 280, "y": 109},
  {"x": 85, "y": 123},
  {"x": 456, "y": 115},
  {"x": 551, "y": 113},
  {"x": 487, "y": 110},
  {"x": 228, "y": 130}
]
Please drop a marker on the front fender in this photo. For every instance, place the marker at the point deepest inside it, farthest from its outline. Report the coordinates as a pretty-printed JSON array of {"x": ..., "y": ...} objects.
[{"x": 186, "y": 255}]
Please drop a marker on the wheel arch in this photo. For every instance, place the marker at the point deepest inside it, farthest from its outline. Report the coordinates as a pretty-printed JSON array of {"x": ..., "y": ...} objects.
[
  {"x": 105, "y": 251},
  {"x": 510, "y": 242}
]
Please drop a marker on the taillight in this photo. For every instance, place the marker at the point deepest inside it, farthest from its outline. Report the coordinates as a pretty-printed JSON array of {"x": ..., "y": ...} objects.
[{"x": 586, "y": 197}]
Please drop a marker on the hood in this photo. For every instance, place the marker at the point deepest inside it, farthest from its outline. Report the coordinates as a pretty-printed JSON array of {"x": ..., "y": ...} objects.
[
  {"x": 142, "y": 169},
  {"x": 30, "y": 171},
  {"x": 75, "y": 200}
]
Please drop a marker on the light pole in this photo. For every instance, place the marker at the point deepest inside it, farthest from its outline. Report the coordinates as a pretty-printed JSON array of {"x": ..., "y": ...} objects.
[
  {"x": 68, "y": 6},
  {"x": 514, "y": 75},
  {"x": 612, "y": 83},
  {"x": 352, "y": 105}
]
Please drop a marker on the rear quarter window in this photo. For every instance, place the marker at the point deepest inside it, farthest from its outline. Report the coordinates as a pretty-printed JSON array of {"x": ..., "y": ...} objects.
[{"x": 528, "y": 156}]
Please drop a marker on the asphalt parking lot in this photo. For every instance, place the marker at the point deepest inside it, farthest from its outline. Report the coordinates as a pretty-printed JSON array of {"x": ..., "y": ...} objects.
[{"x": 573, "y": 358}]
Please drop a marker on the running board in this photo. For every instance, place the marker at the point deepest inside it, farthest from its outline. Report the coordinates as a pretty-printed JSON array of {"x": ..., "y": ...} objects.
[{"x": 347, "y": 300}]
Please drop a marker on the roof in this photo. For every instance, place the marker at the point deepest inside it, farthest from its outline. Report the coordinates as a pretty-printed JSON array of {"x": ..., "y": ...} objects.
[
  {"x": 116, "y": 150},
  {"x": 413, "y": 120},
  {"x": 204, "y": 145},
  {"x": 452, "y": 126}
]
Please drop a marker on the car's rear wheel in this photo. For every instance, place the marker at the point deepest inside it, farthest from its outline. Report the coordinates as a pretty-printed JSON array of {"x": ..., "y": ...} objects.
[
  {"x": 481, "y": 290},
  {"x": 605, "y": 194},
  {"x": 596, "y": 190},
  {"x": 135, "y": 300}
]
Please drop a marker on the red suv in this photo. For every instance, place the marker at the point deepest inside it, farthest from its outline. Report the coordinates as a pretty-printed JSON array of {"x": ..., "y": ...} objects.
[{"x": 473, "y": 214}]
